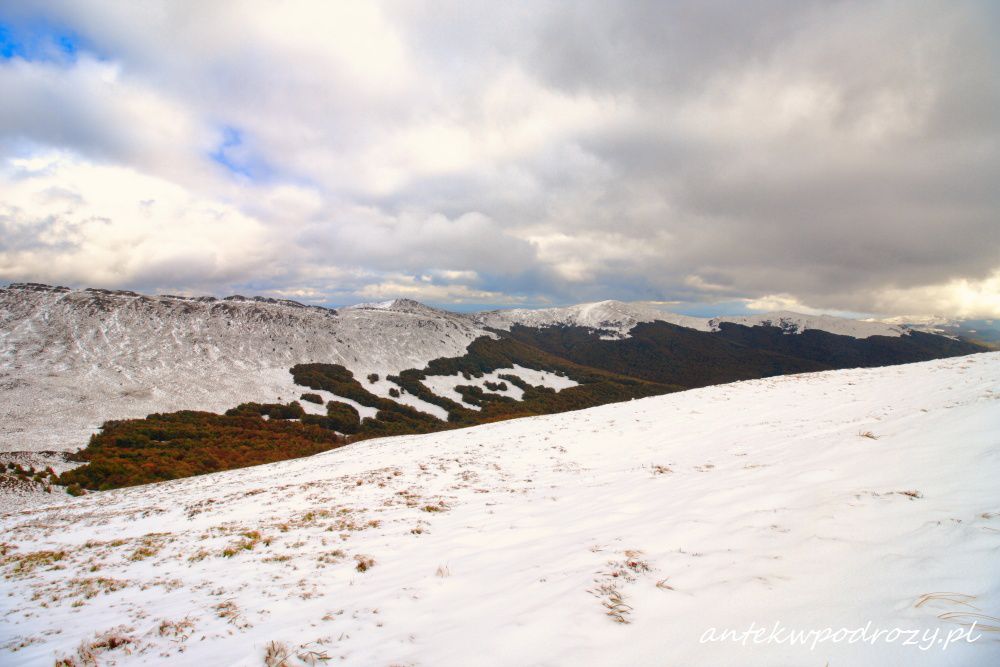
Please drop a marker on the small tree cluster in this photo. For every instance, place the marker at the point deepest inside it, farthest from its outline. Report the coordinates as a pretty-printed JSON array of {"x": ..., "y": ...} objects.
[{"x": 292, "y": 410}]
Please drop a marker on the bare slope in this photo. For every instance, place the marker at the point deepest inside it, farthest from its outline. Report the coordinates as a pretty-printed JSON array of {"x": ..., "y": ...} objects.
[{"x": 821, "y": 500}]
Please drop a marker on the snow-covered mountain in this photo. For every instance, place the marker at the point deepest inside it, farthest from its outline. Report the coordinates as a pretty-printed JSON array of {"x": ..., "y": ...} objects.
[
  {"x": 794, "y": 323},
  {"x": 618, "y": 318},
  {"x": 71, "y": 359},
  {"x": 616, "y": 535},
  {"x": 983, "y": 330},
  {"x": 614, "y": 317}
]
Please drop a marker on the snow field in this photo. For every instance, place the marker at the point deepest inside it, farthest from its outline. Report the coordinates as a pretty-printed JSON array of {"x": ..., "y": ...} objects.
[{"x": 614, "y": 535}]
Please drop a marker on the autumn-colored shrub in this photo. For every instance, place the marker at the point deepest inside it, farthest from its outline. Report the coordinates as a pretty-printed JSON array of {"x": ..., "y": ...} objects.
[
  {"x": 168, "y": 446},
  {"x": 182, "y": 444},
  {"x": 292, "y": 410},
  {"x": 344, "y": 417}
]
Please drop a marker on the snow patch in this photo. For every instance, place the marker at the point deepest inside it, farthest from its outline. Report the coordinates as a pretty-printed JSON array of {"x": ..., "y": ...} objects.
[
  {"x": 312, "y": 408},
  {"x": 383, "y": 386},
  {"x": 444, "y": 385}
]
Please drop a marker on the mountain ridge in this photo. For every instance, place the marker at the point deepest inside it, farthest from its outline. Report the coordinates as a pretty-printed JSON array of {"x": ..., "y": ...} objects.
[
  {"x": 71, "y": 360},
  {"x": 611, "y": 315}
]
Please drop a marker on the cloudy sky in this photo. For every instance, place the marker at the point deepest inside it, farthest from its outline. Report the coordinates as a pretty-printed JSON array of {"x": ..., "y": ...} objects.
[{"x": 725, "y": 156}]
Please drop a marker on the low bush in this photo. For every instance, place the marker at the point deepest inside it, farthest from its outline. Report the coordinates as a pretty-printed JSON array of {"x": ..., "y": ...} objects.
[{"x": 181, "y": 444}]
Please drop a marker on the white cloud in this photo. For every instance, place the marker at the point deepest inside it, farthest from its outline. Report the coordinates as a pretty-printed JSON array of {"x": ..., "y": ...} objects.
[
  {"x": 773, "y": 302},
  {"x": 91, "y": 108},
  {"x": 411, "y": 287},
  {"x": 68, "y": 220},
  {"x": 841, "y": 156},
  {"x": 960, "y": 297}
]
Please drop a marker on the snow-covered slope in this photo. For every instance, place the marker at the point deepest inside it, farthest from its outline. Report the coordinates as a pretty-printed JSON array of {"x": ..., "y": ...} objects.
[
  {"x": 617, "y": 319},
  {"x": 830, "y": 500},
  {"x": 797, "y": 323},
  {"x": 72, "y": 359},
  {"x": 69, "y": 360},
  {"x": 614, "y": 317}
]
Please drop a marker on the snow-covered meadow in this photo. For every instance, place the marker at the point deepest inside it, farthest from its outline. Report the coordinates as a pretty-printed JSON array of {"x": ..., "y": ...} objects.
[{"x": 616, "y": 535}]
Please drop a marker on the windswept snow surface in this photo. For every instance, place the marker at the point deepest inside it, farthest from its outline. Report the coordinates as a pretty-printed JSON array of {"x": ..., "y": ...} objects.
[{"x": 759, "y": 502}]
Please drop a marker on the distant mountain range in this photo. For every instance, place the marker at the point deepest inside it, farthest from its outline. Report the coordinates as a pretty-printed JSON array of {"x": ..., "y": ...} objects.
[{"x": 70, "y": 360}]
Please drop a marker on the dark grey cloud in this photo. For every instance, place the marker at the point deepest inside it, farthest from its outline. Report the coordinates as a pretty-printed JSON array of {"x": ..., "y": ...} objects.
[{"x": 839, "y": 155}]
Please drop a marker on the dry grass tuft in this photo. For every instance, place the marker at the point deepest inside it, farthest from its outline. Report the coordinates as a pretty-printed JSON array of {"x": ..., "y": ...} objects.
[
  {"x": 983, "y": 622},
  {"x": 614, "y": 601},
  {"x": 142, "y": 553},
  {"x": 176, "y": 630},
  {"x": 439, "y": 507},
  {"x": 87, "y": 653},
  {"x": 278, "y": 654},
  {"x": 311, "y": 656},
  {"x": 231, "y": 612},
  {"x": 149, "y": 545},
  {"x": 867, "y": 434},
  {"x": 365, "y": 563},
  {"x": 620, "y": 573},
  {"x": 976, "y": 618},
  {"x": 25, "y": 564},
  {"x": 90, "y": 587},
  {"x": 249, "y": 539},
  {"x": 954, "y": 598},
  {"x": 331, "y": 557}
]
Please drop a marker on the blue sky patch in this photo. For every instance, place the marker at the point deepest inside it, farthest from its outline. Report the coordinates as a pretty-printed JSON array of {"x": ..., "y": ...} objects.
[
  {"x": 234, "y": 153},
  {"x": 39, "y": 42}
]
